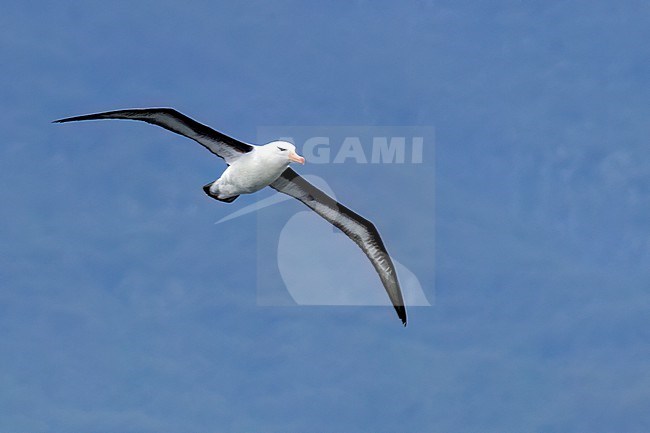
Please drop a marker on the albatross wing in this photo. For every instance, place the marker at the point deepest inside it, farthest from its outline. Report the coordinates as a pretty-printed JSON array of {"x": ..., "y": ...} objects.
[
  {"x": 357, "y": 228},
  {"x": 220, "y": 144}
]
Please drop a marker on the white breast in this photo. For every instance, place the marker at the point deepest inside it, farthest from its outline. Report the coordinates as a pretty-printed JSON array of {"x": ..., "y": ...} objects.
[{"x": 251, "y": 172}]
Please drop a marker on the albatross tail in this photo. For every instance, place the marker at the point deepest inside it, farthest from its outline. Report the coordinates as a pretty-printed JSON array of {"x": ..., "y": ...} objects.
[{"x": 230, "y": 199}]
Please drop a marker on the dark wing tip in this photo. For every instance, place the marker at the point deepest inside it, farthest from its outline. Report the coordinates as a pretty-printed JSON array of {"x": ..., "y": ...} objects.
[
  {"x": 118, "y": 114},
  {"x": 401, "y": 313},
  {"x": 75, "y": 118}
]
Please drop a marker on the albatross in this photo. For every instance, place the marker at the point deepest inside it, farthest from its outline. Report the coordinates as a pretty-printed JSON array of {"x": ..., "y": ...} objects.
[{"x": 252, "y": 167}]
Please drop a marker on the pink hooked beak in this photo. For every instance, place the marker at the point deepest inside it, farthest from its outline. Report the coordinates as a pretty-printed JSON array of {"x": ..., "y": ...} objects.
[{"x": 293, "y": 156}]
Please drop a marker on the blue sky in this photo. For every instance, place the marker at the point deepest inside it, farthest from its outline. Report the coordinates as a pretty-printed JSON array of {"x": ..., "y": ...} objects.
[{"x": 116, "y": 316}]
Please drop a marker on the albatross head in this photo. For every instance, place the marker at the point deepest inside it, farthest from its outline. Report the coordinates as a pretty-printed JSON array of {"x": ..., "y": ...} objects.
[{"x": 284, "y": 151}]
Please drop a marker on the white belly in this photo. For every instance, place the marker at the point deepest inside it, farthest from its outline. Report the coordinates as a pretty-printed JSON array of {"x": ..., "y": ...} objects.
[{"x": 247, "y": 175}]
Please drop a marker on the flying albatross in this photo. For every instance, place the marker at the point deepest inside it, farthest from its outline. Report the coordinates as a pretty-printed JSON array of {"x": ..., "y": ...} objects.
[{"x": 251, "y": 168}]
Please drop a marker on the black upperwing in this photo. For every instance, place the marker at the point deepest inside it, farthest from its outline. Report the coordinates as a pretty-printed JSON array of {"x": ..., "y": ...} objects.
[
  {"x": 220, "y": 144},
  {"x": 356, "y": 227}
]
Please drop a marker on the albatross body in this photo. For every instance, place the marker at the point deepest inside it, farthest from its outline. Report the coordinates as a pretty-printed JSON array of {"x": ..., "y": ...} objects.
[{"x": 252, "y": 168}]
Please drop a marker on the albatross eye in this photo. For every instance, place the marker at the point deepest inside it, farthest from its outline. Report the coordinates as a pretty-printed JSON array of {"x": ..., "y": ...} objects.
[{"x": 282, "y": 149}]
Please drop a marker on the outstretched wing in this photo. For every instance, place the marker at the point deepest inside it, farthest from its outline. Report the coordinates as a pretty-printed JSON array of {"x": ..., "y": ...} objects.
[
  {"x": 220, "y": 144},
  {"x": 356, "y": 227}
]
